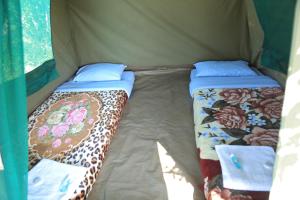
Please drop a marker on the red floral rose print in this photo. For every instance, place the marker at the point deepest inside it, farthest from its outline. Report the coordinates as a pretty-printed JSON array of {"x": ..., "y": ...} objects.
[
  {"x": 271, "y": 92},
  {"x": 231, "y": 117},
  {"x": 262, "y": 137},
  {"x": 238, "y": 96},
  {"x": 270, "y": 108}
]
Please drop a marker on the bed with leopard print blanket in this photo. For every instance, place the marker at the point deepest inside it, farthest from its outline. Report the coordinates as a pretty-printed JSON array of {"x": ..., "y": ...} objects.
[
  {"x": 249, "y": 116},
  {"x": 76, "y": 128}
]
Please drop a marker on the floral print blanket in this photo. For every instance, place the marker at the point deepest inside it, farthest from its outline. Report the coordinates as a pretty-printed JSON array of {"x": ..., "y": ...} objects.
[
  {"x": 234, "y": 117},
  {"x": 76, "y": 128}
]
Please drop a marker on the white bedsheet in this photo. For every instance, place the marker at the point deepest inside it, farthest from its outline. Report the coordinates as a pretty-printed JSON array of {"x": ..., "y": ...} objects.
[
  {"x": 194, "y": 72},
  {"x": 232, "y": 82},
  {"x": 126, "y": 84}
]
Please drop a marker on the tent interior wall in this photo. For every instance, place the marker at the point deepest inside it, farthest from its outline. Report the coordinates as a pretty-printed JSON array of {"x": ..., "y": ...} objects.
[{"x": 150, "y": 34}]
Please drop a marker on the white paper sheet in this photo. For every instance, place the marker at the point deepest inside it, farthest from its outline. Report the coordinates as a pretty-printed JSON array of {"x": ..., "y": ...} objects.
[{"x": 256, "y": 167}]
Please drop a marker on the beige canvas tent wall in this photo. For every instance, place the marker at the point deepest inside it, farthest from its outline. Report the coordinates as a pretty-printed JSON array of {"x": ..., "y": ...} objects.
[{"x": 150, "y": 34}]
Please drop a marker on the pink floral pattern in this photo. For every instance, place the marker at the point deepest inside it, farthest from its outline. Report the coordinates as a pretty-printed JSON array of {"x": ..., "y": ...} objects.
[
  {"x": 43, "y": 131},
  {"x": 66, "y": 123},
  {"x": 60, "y": 130},
  {"x": 91, "y": 121},
  {"x": 84, "y": 144},
  {"x": 56, "y": 143},
  {"x": 76, "y": 116}
]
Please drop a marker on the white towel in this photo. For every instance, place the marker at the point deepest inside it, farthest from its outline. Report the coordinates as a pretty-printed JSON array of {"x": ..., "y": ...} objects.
[
  {"x": 50, "y": 180},
  {"x": 256, "y": 167}
]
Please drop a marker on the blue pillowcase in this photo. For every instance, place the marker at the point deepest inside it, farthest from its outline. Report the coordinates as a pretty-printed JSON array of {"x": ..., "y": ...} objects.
[
  {"x": 224, "y": 68},
  {"x": 100, "y": 72}
]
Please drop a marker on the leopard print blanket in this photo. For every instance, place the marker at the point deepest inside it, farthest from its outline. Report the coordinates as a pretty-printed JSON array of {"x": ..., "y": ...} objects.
[{"x": 76, "y": 128}]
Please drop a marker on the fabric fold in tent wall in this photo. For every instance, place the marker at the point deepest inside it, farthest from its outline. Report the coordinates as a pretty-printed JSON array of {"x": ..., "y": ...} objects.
[
  {"x": 38, "y": 55},
  {"x": 13, "y": 123},
  {"x": 276, "y": 18}
]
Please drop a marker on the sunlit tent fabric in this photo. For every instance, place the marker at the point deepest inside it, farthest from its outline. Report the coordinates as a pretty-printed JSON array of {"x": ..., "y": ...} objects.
[
  {"x": 13, "y": 123},
  {"x": 287, "y": 164},
  {"x": 38, "y": 56},
  {"x": 276, "y": 18}
]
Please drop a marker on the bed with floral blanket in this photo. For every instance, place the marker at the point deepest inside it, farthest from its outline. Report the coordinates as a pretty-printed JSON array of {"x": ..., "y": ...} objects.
[
  {"x": 238, "y": 116},
  {"x": 76, "y": 128}
]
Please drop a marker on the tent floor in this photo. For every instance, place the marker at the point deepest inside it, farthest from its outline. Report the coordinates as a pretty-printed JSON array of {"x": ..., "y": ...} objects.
[{"x": 153, "y": 156}]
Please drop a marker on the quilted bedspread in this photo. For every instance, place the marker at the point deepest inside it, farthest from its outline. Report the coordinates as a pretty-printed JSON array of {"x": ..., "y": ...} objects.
[
  {"x": 76, "y": 128},
  {"x": 234, "y": 117}
]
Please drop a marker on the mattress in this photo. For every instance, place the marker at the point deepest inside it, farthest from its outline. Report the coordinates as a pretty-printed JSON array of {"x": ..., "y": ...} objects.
[
  {"x": 234, "y": 111},
  {"x": 126, "y": 83},
  {"x": 75, "y": 126}
]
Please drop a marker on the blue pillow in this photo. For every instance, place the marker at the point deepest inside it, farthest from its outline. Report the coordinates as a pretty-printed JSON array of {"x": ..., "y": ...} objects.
[
  {"x": 100, "y": 72},
  {"x": 224, "y": 68}
]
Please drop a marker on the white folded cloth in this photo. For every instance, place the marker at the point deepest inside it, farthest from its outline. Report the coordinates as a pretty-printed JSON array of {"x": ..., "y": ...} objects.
[
  {"x": 50, "y": 180},
  {"x": 256, "y": 167}
]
